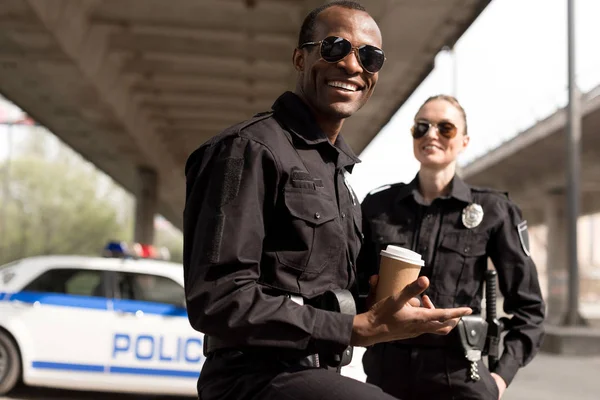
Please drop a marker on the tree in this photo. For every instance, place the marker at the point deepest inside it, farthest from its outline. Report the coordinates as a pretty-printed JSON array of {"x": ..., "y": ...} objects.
[
  {"x": 53, "y": 208},
  {"x": 54, "y": 202}
]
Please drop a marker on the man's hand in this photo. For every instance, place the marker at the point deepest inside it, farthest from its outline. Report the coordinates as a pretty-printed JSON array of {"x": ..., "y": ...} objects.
[
  {"x": 501, "y": 384},
  {"x": 400, "y": 317}
]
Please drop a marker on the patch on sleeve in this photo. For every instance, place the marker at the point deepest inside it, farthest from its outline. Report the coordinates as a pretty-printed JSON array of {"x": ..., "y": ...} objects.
[
  {"x": 524, "y": 237},
  {"x": 226, "y": 181},
  {"x": 216, "y": 229},
  {"x": 232, "y": 179},
  {"x": 224, "y": 188}
]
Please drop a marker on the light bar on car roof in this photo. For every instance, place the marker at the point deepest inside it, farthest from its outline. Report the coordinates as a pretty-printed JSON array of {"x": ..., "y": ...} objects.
[{"x": 117, "y": 249}]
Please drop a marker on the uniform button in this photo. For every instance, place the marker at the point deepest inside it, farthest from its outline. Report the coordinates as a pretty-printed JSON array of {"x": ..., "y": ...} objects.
[
  {"x": 467, "y": 249},
  {"x": 423, "y": 249},
  {"x": 343, "y": 215},
  {"x": 317, "y": 215}
]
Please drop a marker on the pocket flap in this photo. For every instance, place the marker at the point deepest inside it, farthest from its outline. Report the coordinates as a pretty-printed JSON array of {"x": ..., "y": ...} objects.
[
  {"x": 310, "y": 206},
  {"x": 466, "y": 243},
  {"x": 384, "y": 232}
]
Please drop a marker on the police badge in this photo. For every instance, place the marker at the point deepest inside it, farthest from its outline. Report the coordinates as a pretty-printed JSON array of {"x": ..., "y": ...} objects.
[{"x": 472, "y": 215}]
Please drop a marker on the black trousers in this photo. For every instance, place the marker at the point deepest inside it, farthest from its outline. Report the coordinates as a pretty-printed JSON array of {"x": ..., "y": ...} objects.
[
  {"x": 235, "y": 376},
  {"x": 417, "y": 373}
]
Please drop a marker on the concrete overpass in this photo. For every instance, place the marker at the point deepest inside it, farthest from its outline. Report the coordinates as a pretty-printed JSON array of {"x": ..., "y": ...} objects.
[
  {"x": 136, "y": 85},
  {"x": 531, "y": 167}
]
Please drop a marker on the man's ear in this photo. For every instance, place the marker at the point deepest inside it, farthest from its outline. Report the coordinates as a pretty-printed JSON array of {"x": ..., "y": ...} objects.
[{"x": 298, "y": 60}]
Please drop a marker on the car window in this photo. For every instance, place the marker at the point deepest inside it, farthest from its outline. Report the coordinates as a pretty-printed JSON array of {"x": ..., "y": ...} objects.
[
  {"x": 81, "y": 282},
  {"x": 153, "y": 288}
]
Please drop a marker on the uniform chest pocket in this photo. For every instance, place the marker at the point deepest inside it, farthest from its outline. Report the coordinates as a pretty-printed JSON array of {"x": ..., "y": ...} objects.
[
  {"x": 315, "y": 239},
  {"x": 460, "y": 264},
  {"x": 466, "y": 244},
  {"x": 384, "y": 233}
]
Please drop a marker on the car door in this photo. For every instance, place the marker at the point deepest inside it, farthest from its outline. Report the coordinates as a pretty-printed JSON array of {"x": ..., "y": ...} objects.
[
  {"x": 154, "y": 348},
  {"x": 63, "y": 325}
]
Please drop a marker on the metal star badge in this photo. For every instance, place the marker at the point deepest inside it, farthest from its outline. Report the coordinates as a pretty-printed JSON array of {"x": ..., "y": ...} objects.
[{"x": 472, "y": 215}]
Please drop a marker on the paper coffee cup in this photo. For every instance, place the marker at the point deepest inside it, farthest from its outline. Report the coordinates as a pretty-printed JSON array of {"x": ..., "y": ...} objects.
[{"x": 398, "y": 267}]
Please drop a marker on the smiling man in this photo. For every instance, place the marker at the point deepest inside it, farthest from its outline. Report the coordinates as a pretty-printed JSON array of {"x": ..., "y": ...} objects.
[{"x": 272, "y": 231}]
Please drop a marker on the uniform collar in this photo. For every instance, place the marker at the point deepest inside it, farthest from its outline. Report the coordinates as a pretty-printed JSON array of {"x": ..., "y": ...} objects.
[
  {"x": 460, "y": 190},
  {"x": 295, "y": 115}
]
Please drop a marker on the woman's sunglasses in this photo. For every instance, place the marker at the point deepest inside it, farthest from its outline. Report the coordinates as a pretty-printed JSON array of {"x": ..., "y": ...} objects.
[
  {"x": 334, "y": 49},
  {"x": 446, "y": 129}
]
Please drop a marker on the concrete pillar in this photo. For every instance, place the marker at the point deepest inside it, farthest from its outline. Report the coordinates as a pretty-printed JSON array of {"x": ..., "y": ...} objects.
[
  {"x": 557, "y": 268},
  {"x": 146, "y": 205}
]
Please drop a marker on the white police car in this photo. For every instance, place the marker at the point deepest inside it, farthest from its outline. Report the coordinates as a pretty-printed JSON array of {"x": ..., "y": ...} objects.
[{"x": 97, "y": 323}]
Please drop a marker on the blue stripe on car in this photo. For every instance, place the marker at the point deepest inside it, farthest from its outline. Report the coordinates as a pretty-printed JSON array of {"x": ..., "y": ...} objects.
[
  {"x": 95, "y": 303},
  {"x": 58, "y": 299},
  {"x": 67, "y": 366},
  {"x": 113, "y": 369},
  {"x": 154, "y": 372}
]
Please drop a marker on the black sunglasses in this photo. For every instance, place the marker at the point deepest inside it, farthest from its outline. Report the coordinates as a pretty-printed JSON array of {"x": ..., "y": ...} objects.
[
  {"x": 335, "y": 49},
  {"x": 445, "y": 128}
]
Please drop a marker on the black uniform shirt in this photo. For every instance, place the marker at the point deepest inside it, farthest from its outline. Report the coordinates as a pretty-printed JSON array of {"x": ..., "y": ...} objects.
[
  {"x": 456, "y": 257},
  {"x": 264, "y": 219}
]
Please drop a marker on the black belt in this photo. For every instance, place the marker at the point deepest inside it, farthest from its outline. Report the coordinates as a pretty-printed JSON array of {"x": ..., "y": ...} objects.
[
  {"x": 213, "y": 344},
  {"x": 285, "y": 357}
]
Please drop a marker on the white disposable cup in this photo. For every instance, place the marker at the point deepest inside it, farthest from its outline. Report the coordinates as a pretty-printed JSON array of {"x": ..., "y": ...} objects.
[{"x": 398, "y": 267}]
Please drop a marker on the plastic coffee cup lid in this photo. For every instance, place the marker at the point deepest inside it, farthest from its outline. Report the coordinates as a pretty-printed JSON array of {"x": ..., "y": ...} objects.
[{"x": 402, "y": 254}]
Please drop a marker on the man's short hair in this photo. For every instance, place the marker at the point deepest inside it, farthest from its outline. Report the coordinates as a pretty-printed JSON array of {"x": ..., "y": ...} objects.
[{"x": 307, "y": 30}]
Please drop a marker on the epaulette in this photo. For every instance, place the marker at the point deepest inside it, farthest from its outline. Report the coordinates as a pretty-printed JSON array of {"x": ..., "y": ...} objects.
[
  {"x": 483, "y": 189},
  {"x": 385, "y": 187},
  {"x": 255, "y": 118}
]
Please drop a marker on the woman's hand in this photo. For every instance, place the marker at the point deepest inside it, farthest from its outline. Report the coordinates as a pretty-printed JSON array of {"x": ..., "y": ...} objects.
[{"x": 501, "y": 384}]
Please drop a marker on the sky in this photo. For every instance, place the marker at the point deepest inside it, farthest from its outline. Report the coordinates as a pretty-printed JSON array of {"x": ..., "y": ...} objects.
[{"x": 511, "y": 70}]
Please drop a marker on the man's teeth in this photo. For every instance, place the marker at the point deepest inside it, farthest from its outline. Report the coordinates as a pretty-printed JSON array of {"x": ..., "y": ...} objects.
[
  {"x": 343, "y": 85},
  {"x": 430, "y": 147}
]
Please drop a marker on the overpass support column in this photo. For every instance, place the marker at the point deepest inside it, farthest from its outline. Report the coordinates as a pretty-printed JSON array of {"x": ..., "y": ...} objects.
[
  {"x": 146, "y": 205},
  {"x": 557, "y": 268}
]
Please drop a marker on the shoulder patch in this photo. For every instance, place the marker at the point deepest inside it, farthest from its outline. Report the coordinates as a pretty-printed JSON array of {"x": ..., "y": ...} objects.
[{"x": 524, "y": 237}]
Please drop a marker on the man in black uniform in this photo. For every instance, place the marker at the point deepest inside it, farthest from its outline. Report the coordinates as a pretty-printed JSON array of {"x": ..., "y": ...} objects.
[
  {"x": 271, "y": 226},
  {"x": 456, "y": 228}
]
